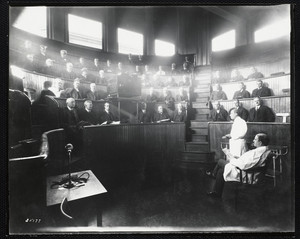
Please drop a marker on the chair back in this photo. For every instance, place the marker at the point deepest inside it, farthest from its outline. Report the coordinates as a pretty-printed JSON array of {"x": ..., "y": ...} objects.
[{"x": 256, "y": 174}]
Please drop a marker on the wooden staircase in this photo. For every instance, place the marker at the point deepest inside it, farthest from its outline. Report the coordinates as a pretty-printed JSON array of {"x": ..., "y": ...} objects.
[{"x": 198, "y": 149}]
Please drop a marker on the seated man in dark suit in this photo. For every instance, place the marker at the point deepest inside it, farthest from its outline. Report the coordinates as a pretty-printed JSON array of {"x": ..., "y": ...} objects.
[
  {"x": 242, "y": 92},
  {"x": 49, "y": 68},
  {"x": 168, "y": 99},
  {"x": 261, "y": 90},
  {"x": 68, "y": 73},
  {"x": 236, "y": 75},
  {"x": 241, "y": 111},
  {"x": 92, "y": 94},
  {"x": 228, "y": 170},
  {"x": 254, "y": 74},
  {"x": 107, "y": 116},
  {"x": 108, "y": 68},
  {"x": 74, "y": 92},
  {"x": 218, "y": 113},
  {"x": 87, "y": 116},
  {"x": 182, "y": 96},
  {"x": 260, "y": 113},
  {"x": 151, "y": 98},
  {"x": 179, "y": 115},
  {"x": 160, "y": 115},
  {"x": 96, "y": 66},
  {"x": 174, "y": 71},
  {"x": 85, "y": 76},
  {"x": 218, "y": 93},
  {"x": 144, "y": 115},
  {"x": 63, "y": 59}
]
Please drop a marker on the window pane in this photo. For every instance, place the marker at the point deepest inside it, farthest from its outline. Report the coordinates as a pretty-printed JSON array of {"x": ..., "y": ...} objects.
[
  {"x": 224, "y": 41},
  {"x": 273, "y": 31},
  {"x": 130, "y": 42},
  {"x": 85, "y": 32},
  {"x": 163, "y": 48},
  {"x": 33, "y": 20}
]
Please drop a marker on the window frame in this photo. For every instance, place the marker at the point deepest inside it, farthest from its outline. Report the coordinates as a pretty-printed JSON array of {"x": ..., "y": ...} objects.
[
  {"x": 134, "y": 53},
  {"x": 67, "y": 34},
  {"x": 167, "y": 43}
]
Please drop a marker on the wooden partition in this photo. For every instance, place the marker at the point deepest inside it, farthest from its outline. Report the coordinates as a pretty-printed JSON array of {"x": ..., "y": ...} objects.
[
  {"x": 275, "y": 83},
  {"x": 115, "y": 151},
  {"x": 279, "y": 104}
]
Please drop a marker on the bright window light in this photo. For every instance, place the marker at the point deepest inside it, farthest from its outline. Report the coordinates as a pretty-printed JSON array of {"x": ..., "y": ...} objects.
[
  {"x": 33, "y": 20},
  {"x": 85, "y": 32},
  {"x": 130, "y": 42},
  {"x": 224, "y": 42},
  {"x": 273, "y": 31},
  {"x": 163, "y": 48}
]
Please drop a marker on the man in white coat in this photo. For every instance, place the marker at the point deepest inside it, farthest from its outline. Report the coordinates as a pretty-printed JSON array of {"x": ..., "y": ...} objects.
[
  {"x": 237, "y": 143},
  {"x": 230, "y": 171}
]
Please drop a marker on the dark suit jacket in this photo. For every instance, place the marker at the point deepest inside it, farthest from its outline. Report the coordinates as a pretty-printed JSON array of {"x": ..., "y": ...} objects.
[
  {"x": 92, "y": 95},
  {"x": 263, "y": 114},
  {"x": 144, "y": 117},
  {"x": 89, "y": 117},
  {"x": 262, "y": 92},
  {"x": 241, "y": 94},
  {"x": 221, "y": 116},
  {"x": 243, "y": 113},
  {"x": 109, "y": 117},
  {"x": 71, "y": 92},
  {"x": 179, "y": 117},
  {"x": 68, "y": 75},
  {"x": 69, "y": 117},
  {"x": 162, "y": 116},
  {"x": 218, "y": 95}
]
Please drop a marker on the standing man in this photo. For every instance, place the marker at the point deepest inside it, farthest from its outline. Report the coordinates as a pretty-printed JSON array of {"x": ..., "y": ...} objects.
[{"x": 237, "y": 143}]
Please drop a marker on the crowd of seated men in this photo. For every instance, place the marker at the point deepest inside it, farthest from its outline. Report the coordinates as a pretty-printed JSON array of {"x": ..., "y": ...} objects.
[
  {"x": 260, "y": 91},
  {"x": 236, "y": 75},
  {"x": 258, "y": 113},
  {"x": 75, "y": 92},
  {"x": 68, "y": 67}
]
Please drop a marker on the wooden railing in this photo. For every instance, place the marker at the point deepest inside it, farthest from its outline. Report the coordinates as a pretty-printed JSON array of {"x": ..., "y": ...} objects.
[
  {"x": 275, "y": 83},
  {"x": 279, "y": 104}
]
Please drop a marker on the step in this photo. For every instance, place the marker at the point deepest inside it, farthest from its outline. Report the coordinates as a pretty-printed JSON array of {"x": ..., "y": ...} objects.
[
  {"x": 201, "y": 117},
  {"x": 202, "y": 80},
  {"x": 200, "y": 105},
  {"x": 200, "y": 131},
  {"x": 202, "y": 94},
  {"x": 195, "y": 156},
  {"x": 199, "y": 138},
  {"x": 203, "y": 111},
  {"x": 197, "y": 146},
  {"x": 202, "y": 99},
  {"x": 201, "y": 90},
  {"x": 195, "y": 123}
]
